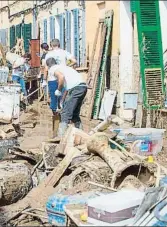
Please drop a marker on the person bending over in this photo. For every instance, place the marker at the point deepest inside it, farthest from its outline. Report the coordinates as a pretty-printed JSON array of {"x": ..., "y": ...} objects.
[{"x": 73, "y": 82}]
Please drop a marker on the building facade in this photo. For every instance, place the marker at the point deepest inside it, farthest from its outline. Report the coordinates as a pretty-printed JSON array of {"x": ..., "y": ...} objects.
[
  {"x": 75, "y": 23},
  {"x": 64, "y": 20},
  {"x": 125, "y": 64}
]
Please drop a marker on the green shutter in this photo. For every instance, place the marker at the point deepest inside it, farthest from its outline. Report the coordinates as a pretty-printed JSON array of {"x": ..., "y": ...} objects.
[
  {"x": 100, "y": 81},
  {"x": 12, "y": 37},
  {"x": 151, "y": 55},
  {"x": 27, "y": 29},
  {"x": 133, "y": 6},
  {"x": 18, "y": 31}
]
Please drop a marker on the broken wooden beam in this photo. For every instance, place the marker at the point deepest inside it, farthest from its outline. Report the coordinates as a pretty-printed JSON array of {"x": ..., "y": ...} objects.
[
  {"x": 102, "y": 126},
  {"x": 102, "y": 186}
]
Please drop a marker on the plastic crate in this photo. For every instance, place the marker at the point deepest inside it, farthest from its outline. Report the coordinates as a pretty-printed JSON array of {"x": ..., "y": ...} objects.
[
  {"x": 56, "y": 204},
  {"x": 148, "y": 145},
  {"x": 145, "y": 141}
]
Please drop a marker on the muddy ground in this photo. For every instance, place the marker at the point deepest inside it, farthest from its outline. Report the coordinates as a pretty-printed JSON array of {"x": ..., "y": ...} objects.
[{"x": 33, "y": 137}]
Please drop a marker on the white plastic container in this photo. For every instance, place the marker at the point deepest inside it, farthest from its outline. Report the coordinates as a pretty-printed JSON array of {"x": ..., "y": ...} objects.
[
  {"x": 115, "y": 209},
  {"x": 132, "y": 134},
  {"x": 149, "y": 146},
  {"x": 145, "y": 141},
  {"x": 4, "y": 72},
  {"x": 9, "y": 103}
]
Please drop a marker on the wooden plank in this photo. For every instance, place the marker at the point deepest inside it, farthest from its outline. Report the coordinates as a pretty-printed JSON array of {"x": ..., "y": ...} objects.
[
  {"x": 71, "y": 138},
  {"x": 97, "y": 72},
  {"x": 94, "y": 50},
  {"x": 82, "y": 69},
  {"x": 57, "y": 173},
  {"x": 98, "y": 63},
  {"x": 67, "y": 140},
  {"x": 3, "y": 55},
  {"x": 74, "y": 211},
  {"x": 139, "y": 112},
  {"x": 92, "y": 72},
  {"x": 101, "y": 75},
  {"x": 55, "y": 124},
  {"x": 102, "y": 186}
]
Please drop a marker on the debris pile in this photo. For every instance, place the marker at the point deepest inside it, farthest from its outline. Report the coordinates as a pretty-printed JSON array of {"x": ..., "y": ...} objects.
[{"x": 80, "y": 162}]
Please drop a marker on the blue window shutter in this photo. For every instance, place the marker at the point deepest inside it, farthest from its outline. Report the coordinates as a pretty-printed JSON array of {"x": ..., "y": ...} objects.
[
  {"x": 7, "y": 36},
  {"x": 52, "y": 27},
  {"x": 61, "y": 18},
  {"x": 3, "y": 36},
  {"x": 45, "y": 30},
  {"x": 83, "y": 38},
  {"x": 68, "y": 31},
  {"x": 76, "y": 33},
  {"x": 4, "y": 41}
]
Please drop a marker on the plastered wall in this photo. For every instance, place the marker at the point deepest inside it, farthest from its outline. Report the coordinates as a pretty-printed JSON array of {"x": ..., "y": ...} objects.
[
  {"x": 124, "y": 52},
  {"x": 96, "y": 10}
]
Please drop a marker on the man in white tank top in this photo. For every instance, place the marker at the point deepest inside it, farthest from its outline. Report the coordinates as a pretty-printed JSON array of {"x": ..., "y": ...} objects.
[{"x": 74, "y": 83}]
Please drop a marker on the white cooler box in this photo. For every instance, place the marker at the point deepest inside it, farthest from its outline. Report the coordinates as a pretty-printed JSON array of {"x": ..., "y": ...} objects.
[{"x": 115, "y": 209}]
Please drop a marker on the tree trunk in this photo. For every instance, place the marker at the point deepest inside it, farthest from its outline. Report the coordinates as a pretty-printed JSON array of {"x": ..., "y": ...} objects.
[{"x": 99, "y": 144}]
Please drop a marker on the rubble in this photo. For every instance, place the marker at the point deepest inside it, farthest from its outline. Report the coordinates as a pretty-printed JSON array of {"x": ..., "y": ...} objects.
[
  {"x": 132, "y": 182},
  {"x": 40, "y": 174},
  {"x": 15, "y": 181},
  {"x": 80, "y": 162}
]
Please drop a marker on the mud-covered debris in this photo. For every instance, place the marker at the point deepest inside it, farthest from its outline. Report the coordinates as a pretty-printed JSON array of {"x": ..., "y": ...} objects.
[{"x": 15, "y": 181}]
